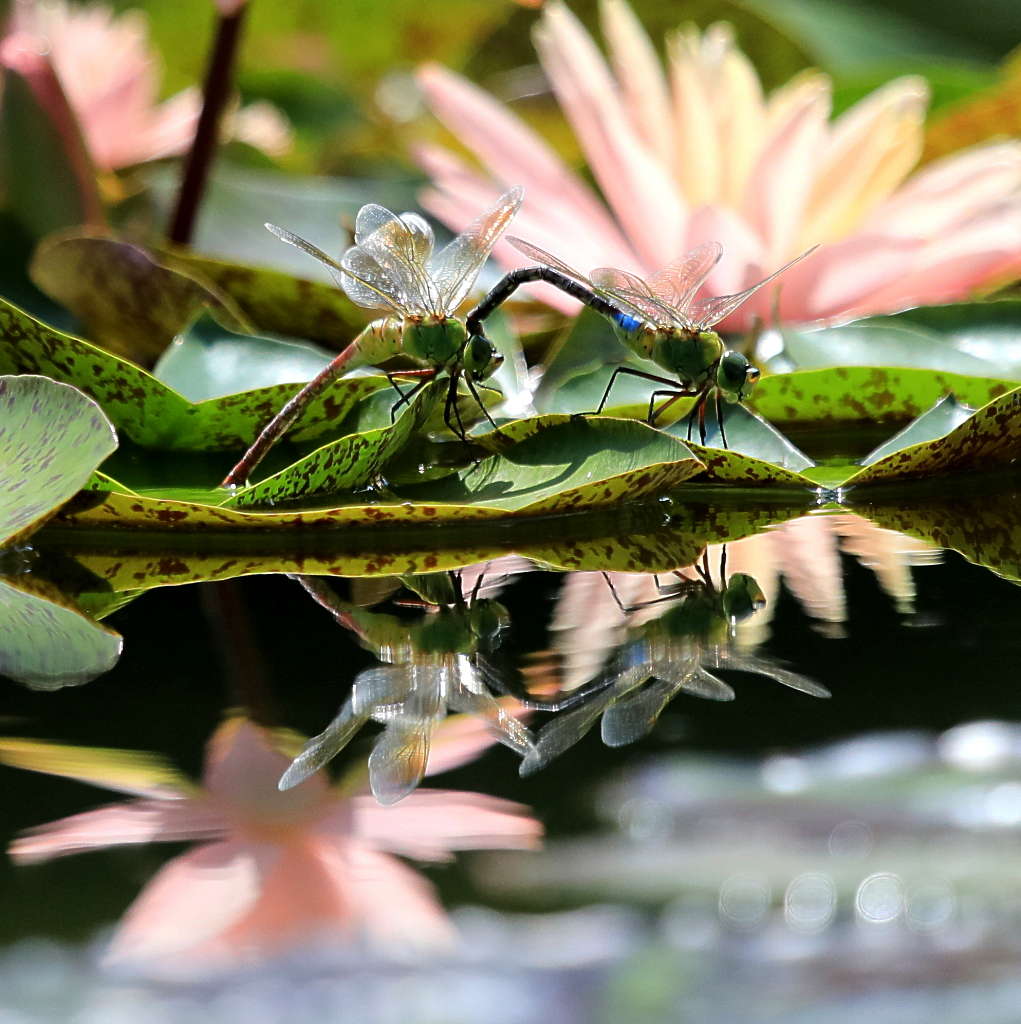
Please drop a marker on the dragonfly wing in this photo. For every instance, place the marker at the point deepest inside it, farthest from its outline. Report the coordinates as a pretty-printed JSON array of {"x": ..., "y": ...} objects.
[
  {"x": 457, "y": 265},
  {"x": 561, "y": 733},
  {"x": 633, "y": 715},
  {"x": 398, "y": 759},
  {"x": 727, "y": 658},
  {"x": 468, "y": 696},
  {"x": 534, "y": 253},
  {"x": 323, "y": 748},
  {"x": 708, "y": 312},
  {"x": 630, "y": 290},
  {"x": 678, "y": 282}
]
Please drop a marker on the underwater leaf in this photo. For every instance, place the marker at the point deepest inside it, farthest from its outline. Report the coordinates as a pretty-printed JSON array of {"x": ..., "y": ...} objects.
[
  {"x": 209, "y": 361},
  {"x": 276, "y": 302},
  {"x": 849, "y": 394},
  {"x": 129, "y": 303},
  {"x": 938, "y": 421},
  {"x": 146, "y": 411},
  {"x": 989, "y": 439},
  {"x": 46, "y": 641},
  {"x": 51, "y": 439},
  {"x": 352, "y": 462}
]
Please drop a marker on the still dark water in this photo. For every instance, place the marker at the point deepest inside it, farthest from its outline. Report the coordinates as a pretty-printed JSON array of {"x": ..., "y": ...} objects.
[{"x": 701, "y": 835}]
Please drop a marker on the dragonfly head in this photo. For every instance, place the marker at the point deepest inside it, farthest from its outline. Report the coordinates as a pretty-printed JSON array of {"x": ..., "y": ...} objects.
[
  {"x": 436, "y": 340},
  {"x": 742, "y": 597},
  {"x": 735, "y": 376},
  {"x": 480, "y": 358},
  {"x": 488, "y": 619}
]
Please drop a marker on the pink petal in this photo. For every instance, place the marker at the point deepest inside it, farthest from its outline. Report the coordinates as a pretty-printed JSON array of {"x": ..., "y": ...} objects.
[
  {"x": 698, "y": 165},
  {"x": 144, "y": 821},
  {"x": 190, "y": 901},
  {"x": 511, "y": 151},
  {"x": 639, "y": 189},
  {"x": 430, "y": 824},
  {"x": 806, "y": 550},
  {"x": 743, "y": 259}
]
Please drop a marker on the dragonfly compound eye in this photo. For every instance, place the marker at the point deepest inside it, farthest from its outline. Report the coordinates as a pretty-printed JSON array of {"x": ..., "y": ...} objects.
[
  {"x": 434, "y": 340},
  {"x": 742, "y": 597},
  {"x": 480, "y": 357},
  {"x": 736, "y": 376}
]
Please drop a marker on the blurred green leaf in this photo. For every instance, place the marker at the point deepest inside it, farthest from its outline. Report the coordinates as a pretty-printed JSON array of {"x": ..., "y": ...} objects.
[
  {"x": 209, "y": 361},
  {"x": 130, "y": 304},
  {"x": 51, "y": 439}
]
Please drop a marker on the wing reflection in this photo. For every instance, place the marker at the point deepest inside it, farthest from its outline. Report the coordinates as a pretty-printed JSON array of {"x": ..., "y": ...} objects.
[
  {"x": 669, "y": 642},
  {"x": 275, "y": 871},
  {"x": 434, "y": 664}
]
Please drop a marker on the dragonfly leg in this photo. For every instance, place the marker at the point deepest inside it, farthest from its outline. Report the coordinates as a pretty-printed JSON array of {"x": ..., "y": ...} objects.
[
  {"x": 481, "y": 404},
  {"x": 674, "y": 385},
  {"x": 719, "y": 418},
  {"x": 285, "y": 418},
  {"x": 674, "y": 395},
  {"x": 406, "y": 396},
  {"x": 451, "y": 413}
]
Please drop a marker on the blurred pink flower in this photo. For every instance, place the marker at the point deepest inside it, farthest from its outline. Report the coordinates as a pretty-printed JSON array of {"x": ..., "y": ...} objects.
[
  {"x": 110, "y": 76},
  {"x": 275, "y": 870},
  {"x": 701, "y": 154}
]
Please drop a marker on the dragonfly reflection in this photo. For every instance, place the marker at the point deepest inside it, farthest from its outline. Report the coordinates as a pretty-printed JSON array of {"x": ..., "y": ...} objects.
[
  {"x": 673, "y": 644},
  {"x": 432, "y": 665}
]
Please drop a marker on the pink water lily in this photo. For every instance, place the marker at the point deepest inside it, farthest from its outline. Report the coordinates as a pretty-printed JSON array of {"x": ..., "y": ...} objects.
[
  {"x": 702, "y": 154},
  {"x": 274, "y": 871},
  {"x": 110, "y": 75}
]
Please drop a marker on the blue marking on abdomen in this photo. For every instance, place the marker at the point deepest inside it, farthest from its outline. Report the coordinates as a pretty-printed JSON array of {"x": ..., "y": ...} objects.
[{"x": 627, "y": 323}]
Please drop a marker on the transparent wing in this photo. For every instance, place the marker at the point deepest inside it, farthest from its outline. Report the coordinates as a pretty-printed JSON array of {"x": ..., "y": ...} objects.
[
  {"x": 630, "y": 290},
  {"x": 321, "y": 749},
  {"x": 373, "y": 294},
  {"x": 469, "y": 696},
  {"x": 708, "y": 312},
  {"x": 678, "y": 282},
  {"x": 633, "y": 715},
  {"x": 400, "y": 246},
  {"x": 564, "y": 730},
  {"x": 398, "y": 760},
  {"x": 458, "y": 264},
  {"x": 533, "y": 252},
  {"x": 721, "y": 657}
]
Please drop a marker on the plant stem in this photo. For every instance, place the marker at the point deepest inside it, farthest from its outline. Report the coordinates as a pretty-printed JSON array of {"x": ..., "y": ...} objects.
[{"x": 216, "y": 93}]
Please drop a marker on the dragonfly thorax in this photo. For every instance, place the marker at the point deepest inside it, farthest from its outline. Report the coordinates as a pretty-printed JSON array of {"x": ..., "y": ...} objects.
[
  {"x": 691, "y": 355},
  {"x": 436, "y": 340}
]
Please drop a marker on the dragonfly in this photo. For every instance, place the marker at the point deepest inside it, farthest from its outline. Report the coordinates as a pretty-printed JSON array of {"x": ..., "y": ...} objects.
[
  {"x": 658, "y": 319},
  {"x": 676, "y": 651},
  {"x": 393, "y": 267},
  {"x": 430, "y": 666}
]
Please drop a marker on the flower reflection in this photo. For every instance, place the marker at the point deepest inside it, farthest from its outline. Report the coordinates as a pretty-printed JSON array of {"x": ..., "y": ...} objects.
[
  {"x": 110, "y": 76},
  {"x": 670, "y": 644},
  {"x": 433, "y": 664},
  {"x": 274, "y": 871},
  {"x": 703, "y": 155}
]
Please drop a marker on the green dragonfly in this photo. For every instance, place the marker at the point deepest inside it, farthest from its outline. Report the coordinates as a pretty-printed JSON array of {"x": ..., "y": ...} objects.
[
  {"x": 392, "y": 267},
  {"x": 659, "y": 319},
  {"x": 673, "y": 652},
  {"x": 432, "y": 665}
]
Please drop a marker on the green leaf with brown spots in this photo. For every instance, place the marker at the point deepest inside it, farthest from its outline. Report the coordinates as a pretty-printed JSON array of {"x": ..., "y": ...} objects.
[
  {"x": 146, "y": 411},
  {"x": 51, "y": 439},
  {"x": 847, "y": 395},
  {"x": 130, "y": 303},
  {"x": 352, "y": 462},
  {"x": 277, "y": 302},
  {"x": 988, "y": 440},
  {"x": 48, "y": 642}
]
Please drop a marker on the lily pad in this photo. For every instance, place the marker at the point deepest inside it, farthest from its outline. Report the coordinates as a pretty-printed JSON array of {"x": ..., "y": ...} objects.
[
  {"x": 51, "y": 439},
  {"x": 276, "y": 302},
  {"x": 851, "y": 394},
  {"x": 989, "y": 439},
  {"x": 938, "y": 421},
  {"x": 209, "y": 361},
  {"x": 155, "y": 416},
  {"x": 47, "y": 641},
  {"x": 347, "y": 464},
  {"x": 129, "y": 302}
]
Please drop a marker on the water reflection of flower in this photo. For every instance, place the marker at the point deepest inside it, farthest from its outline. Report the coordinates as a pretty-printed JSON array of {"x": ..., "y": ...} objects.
[
  {"x": 274, "y": 871},
  {"x": 110, "y": 76},
  {"x": 706, "y": 156}
]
